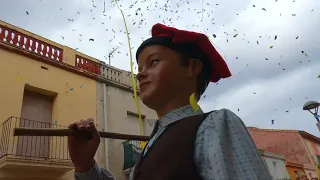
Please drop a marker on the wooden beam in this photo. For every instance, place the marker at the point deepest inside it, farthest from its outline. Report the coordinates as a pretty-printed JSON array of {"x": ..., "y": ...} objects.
[{"x": 69, "y": 132}]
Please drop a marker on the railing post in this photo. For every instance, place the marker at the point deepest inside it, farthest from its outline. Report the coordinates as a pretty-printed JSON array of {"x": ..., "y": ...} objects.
[
  {"x": 88, "y": 65},
  {"x": 17, "y": 39},
  {"x": 26, "y": 147}
]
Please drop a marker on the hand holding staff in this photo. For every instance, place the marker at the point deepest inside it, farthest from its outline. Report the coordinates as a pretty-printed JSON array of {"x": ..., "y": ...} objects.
[
  {"x": 83, "y": 148},
  {"x": 83, "y": 140}
]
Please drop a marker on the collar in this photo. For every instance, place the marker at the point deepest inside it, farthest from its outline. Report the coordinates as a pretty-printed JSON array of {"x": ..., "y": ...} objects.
[{"x": 178, "y": 114}]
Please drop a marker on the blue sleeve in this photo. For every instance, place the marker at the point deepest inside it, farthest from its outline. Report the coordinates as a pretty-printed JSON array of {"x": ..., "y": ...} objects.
[
  {"x": 225, "y": 150},
  {"x": 95, "y": 173}
]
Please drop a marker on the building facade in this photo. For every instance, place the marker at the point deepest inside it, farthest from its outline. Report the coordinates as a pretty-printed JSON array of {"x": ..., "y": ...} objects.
[
  {"x": 276, "y": 165},
  {"x": 118, "y": 113},
  {"x": 48, "y": 85},
  {"x": 299, "y": 148},
  {"x": 294, "y": 169}
]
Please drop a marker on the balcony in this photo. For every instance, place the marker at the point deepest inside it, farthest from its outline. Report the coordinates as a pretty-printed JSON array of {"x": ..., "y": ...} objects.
[
  {"x": 132, "y": 150},
  {"x": 39, "y": 48},
  {"x": 30, "y": 44},
  {"x": 37, "y": 153}
]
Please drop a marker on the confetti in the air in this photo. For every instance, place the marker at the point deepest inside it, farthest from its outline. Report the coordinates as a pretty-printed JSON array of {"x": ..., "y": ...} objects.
[{"x": 266, "y": 49}]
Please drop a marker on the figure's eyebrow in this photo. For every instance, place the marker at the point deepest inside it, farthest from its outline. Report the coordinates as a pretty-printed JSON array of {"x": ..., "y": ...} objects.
[
  {"x": 155, "y": 53},
  {"x": 150, "y": 55}
]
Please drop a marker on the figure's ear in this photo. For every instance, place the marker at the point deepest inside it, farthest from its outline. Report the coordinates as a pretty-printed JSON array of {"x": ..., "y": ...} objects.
[{"x": 194, "y": 68}]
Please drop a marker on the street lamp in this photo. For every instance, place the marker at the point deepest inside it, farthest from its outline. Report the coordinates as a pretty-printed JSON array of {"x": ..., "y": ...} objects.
[{"x": 312, "y": 107}]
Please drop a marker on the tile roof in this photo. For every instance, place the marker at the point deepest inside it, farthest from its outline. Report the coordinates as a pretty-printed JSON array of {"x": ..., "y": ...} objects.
[
  {"x": 282, "y": 130},
  {"x": 302, "y": 133}
]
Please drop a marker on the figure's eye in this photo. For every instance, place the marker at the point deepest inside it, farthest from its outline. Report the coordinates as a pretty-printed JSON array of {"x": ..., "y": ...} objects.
[{"x": 153, "y": 62}]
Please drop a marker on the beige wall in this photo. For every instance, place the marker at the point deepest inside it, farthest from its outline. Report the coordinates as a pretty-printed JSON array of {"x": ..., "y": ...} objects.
[
  {"x": 310, "y": 172},
  {"x": 293, "y": 171},
  {"x": 311, "y": 146},
  {"x": 118, "y": 103},
  {"x": 276, "y": 165}
]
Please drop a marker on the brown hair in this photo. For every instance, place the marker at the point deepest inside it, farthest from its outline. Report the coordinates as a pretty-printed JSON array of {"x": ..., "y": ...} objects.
[{"x": 203, "y": 77}]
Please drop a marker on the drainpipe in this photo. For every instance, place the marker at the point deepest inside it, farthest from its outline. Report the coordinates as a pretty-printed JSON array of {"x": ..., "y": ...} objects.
[{"x": 105, "y": 124}]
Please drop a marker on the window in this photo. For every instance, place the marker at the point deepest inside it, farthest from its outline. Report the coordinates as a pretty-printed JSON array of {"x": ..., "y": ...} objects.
[
  {"x": 133, "y": 123},
  {"x": 296, "y": 173},
  {"x": 318, "y": 157}
]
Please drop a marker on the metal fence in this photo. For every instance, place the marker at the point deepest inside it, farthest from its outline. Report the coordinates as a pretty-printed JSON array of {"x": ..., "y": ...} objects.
[
  {"x": 34, "y": 147},
  {"x": 132, "y": 150}
]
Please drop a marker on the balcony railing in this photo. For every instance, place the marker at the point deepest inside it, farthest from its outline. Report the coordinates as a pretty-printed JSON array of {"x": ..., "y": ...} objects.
[
  {"x": 132, "y": 150},
  {"x": 30, "y": 44},
  {"x": 23, "y": 41},
  {"x": 112, "y": 74},
  {"x": 32, "y": 147},
  {"x": 88, "y": 65}
]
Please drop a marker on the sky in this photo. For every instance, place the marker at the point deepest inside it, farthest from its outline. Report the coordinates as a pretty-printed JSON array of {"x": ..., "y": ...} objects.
[{"x": 270, "y": 46}]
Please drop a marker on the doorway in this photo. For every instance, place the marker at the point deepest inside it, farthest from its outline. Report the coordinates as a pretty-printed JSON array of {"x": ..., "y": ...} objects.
[{"x": 36, "y": 112}]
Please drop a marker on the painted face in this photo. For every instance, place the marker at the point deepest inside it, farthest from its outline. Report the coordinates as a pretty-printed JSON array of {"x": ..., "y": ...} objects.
[{"x": 160, "y": 76}]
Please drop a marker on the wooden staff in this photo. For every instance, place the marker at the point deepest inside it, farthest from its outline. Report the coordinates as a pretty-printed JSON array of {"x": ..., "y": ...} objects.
[{"x": 70, "y": 132}]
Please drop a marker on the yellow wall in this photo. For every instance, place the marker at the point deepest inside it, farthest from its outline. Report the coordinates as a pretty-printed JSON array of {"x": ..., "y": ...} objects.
[
  {"x": 18, "y": 72},
  {"x": 85, "y": 101},
  {"x": 291, "y": 170},
  {"x": 69, "y": 105}
]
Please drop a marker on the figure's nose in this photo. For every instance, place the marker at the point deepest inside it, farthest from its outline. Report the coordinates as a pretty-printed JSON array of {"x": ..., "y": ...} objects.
[{"x": 141, "y": 75}]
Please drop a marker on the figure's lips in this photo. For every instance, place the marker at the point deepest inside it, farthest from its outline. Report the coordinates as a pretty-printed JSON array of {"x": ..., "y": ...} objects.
[{"x": 142, "y": 84}]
